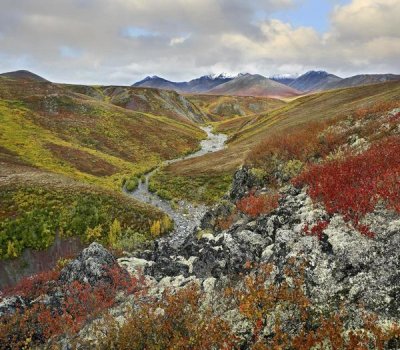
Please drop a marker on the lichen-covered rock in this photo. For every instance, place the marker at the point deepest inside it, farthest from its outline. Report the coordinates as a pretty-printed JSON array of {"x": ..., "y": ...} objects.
[
  {"x": 91, "y": 266},
  {"x": 342, "y": 265},
  {"x": 10, "y": 305},
  {"x": 243, "y": 181}
]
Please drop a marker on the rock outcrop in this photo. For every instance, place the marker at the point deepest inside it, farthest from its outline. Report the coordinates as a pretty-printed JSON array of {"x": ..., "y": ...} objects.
[
  {"x": 342, "y": 265},
  {"x": 91, "y": 266}
]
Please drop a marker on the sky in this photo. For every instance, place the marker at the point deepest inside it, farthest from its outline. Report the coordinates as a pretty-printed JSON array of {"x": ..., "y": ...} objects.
[{"x": 123, "y": 41}]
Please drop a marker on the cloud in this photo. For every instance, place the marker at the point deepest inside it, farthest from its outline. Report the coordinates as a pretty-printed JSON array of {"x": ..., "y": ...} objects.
[
  {"x": 120, "y": 41},
  {"x": 178, "y": 40},
  {"x": 69, "y": 52}
]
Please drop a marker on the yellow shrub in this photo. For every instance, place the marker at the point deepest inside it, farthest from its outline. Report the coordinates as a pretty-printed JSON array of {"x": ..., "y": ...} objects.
[
  {"x": 155, "y": 228},
  {"x": 114, "y": 232},
  {"x": 93, "y": 234}
]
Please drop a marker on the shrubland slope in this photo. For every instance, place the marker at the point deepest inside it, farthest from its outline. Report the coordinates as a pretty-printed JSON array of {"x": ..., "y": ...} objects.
[
  {"x": 66, "y": 151},
  {"x": 218, "y": 108},
  {"x": 51, "y": 127},
  {"x": 245, "y": 133}
]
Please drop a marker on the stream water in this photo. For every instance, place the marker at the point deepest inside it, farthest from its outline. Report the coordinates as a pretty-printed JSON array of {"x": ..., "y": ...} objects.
[{"x": 186, "y": 215}]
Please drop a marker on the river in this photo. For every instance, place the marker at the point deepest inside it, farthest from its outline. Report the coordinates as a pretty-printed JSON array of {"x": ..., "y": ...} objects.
[{"x": 186, "y": 215}]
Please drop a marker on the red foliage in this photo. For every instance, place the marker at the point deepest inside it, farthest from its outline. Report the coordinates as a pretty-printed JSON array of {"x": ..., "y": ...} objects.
[
  {"x": 300, "y": 143},
  {"x": 80, "y": 302},
  {"x": 317, "y": 229},
  {"x": 254, "y": 206},
  {"x": 355, "y": 185},
  {"x": 33, "y": 286},
  {"x": 377, "y": 108}
]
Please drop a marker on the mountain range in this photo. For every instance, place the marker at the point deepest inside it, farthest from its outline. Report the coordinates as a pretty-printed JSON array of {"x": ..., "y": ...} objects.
[
  {"x": 246, "y": 84},
  {"x": 243, "y": 84},
  {"x": 202, "y": 84}
]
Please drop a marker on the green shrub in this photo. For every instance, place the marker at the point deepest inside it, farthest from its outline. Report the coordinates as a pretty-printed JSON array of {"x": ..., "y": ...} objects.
[
  {"x": 30, "y": 217},
  {"x": 292, "y": 168},
  {"x": 132, "y": 184}
]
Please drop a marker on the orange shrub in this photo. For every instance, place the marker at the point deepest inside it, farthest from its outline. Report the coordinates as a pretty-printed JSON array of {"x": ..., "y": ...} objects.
[
  {"x": 254, "y": 206},
  {"x": 177, "y": 321}
]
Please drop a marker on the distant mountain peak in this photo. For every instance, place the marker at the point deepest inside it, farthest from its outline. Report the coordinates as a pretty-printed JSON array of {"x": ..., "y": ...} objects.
[
  {"x": 314, "y": 80},
  {"x": 24, "y": 75}
]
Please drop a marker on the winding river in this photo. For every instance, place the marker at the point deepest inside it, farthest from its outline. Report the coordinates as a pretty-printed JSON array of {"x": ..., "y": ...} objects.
[{"x": 186, "y": 215}]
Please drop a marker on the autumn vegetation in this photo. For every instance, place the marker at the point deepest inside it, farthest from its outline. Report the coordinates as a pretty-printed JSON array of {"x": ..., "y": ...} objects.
[
  {"x": 185, "y": 319},
  {"x": 33, "y": 215},
  {"x": 255, "y": 205},
  {"x": 355, "y": 185},
  {"x": 79, "y": 304},
  {"x": 349, "y": 180}
]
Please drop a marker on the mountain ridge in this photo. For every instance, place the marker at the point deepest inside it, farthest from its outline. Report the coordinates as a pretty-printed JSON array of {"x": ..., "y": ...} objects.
[{"x": 254, "y": 85}]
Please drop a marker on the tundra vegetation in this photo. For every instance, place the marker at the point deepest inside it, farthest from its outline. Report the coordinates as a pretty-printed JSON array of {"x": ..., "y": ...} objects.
[{"x": 67, "y": 150}]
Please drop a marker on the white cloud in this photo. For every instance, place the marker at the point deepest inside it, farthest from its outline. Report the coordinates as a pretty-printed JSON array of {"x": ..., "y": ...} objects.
[
  {"x": 178, "y": 40},
  {"x": 363, "y": 36}
]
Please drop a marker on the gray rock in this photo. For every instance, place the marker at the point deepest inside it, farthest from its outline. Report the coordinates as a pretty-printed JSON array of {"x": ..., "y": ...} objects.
[
  {"x": 243, "y": 182},
  {"x": 91, "y": 266},
  {"x": 12, "y": 304}
]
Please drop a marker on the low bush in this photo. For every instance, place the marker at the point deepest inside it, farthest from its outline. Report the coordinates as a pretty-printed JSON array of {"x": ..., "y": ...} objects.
[
  {"x": 264, "y": 305},
  {"x": 204, "y": 188},
  {"x": 254, "y": 205},
  {"x": 30, "y": 217},
  {"x": 131, "y": 184},
  {"x": 80, "y": 302},
  {"x": 282, "y": 156},
  {"x": 177, "y": 321},
  {"x": 355, "y": 185}
]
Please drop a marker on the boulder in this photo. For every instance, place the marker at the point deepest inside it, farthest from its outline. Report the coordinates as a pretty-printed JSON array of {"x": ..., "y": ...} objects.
[{"x": 91, "y": 266}]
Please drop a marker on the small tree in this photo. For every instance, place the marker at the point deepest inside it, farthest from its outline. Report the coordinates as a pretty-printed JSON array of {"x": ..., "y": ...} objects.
[
  {"x": 114, "y": 232},
  {"x": 155, "y": 228}
]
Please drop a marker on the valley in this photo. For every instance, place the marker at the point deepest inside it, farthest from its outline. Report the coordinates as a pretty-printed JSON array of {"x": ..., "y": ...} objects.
[{"x": 150, "y": 197}]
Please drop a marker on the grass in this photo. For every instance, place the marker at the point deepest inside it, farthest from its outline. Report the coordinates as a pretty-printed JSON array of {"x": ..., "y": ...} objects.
[
  {"x": 219, "y": 108},
  {"x": 202, "y": 188}
]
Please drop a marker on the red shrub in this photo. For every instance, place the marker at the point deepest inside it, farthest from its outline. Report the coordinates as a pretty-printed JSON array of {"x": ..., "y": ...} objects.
[
  {"x": 354, "y": 186},
  {"x": 254, "y": 206},
  {"x": 377, "y": 108},
  {"x": 80, "y": 302},
  {"x": 317, "y": 229},
  {"x": 33, "y": 286},
  {"x": 300, "y": 143}
]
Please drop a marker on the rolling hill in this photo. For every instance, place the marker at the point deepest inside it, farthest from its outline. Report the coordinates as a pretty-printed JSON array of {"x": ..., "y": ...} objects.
[
  {"x": 23, "y": 75},
  {"x": 362, "y": 79},
  {"x": 55, "y": 128},
  {"x": 147, "y": 100},
  {"x": 254, "y": 85},
  {"x": 218, "y": 108}
]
